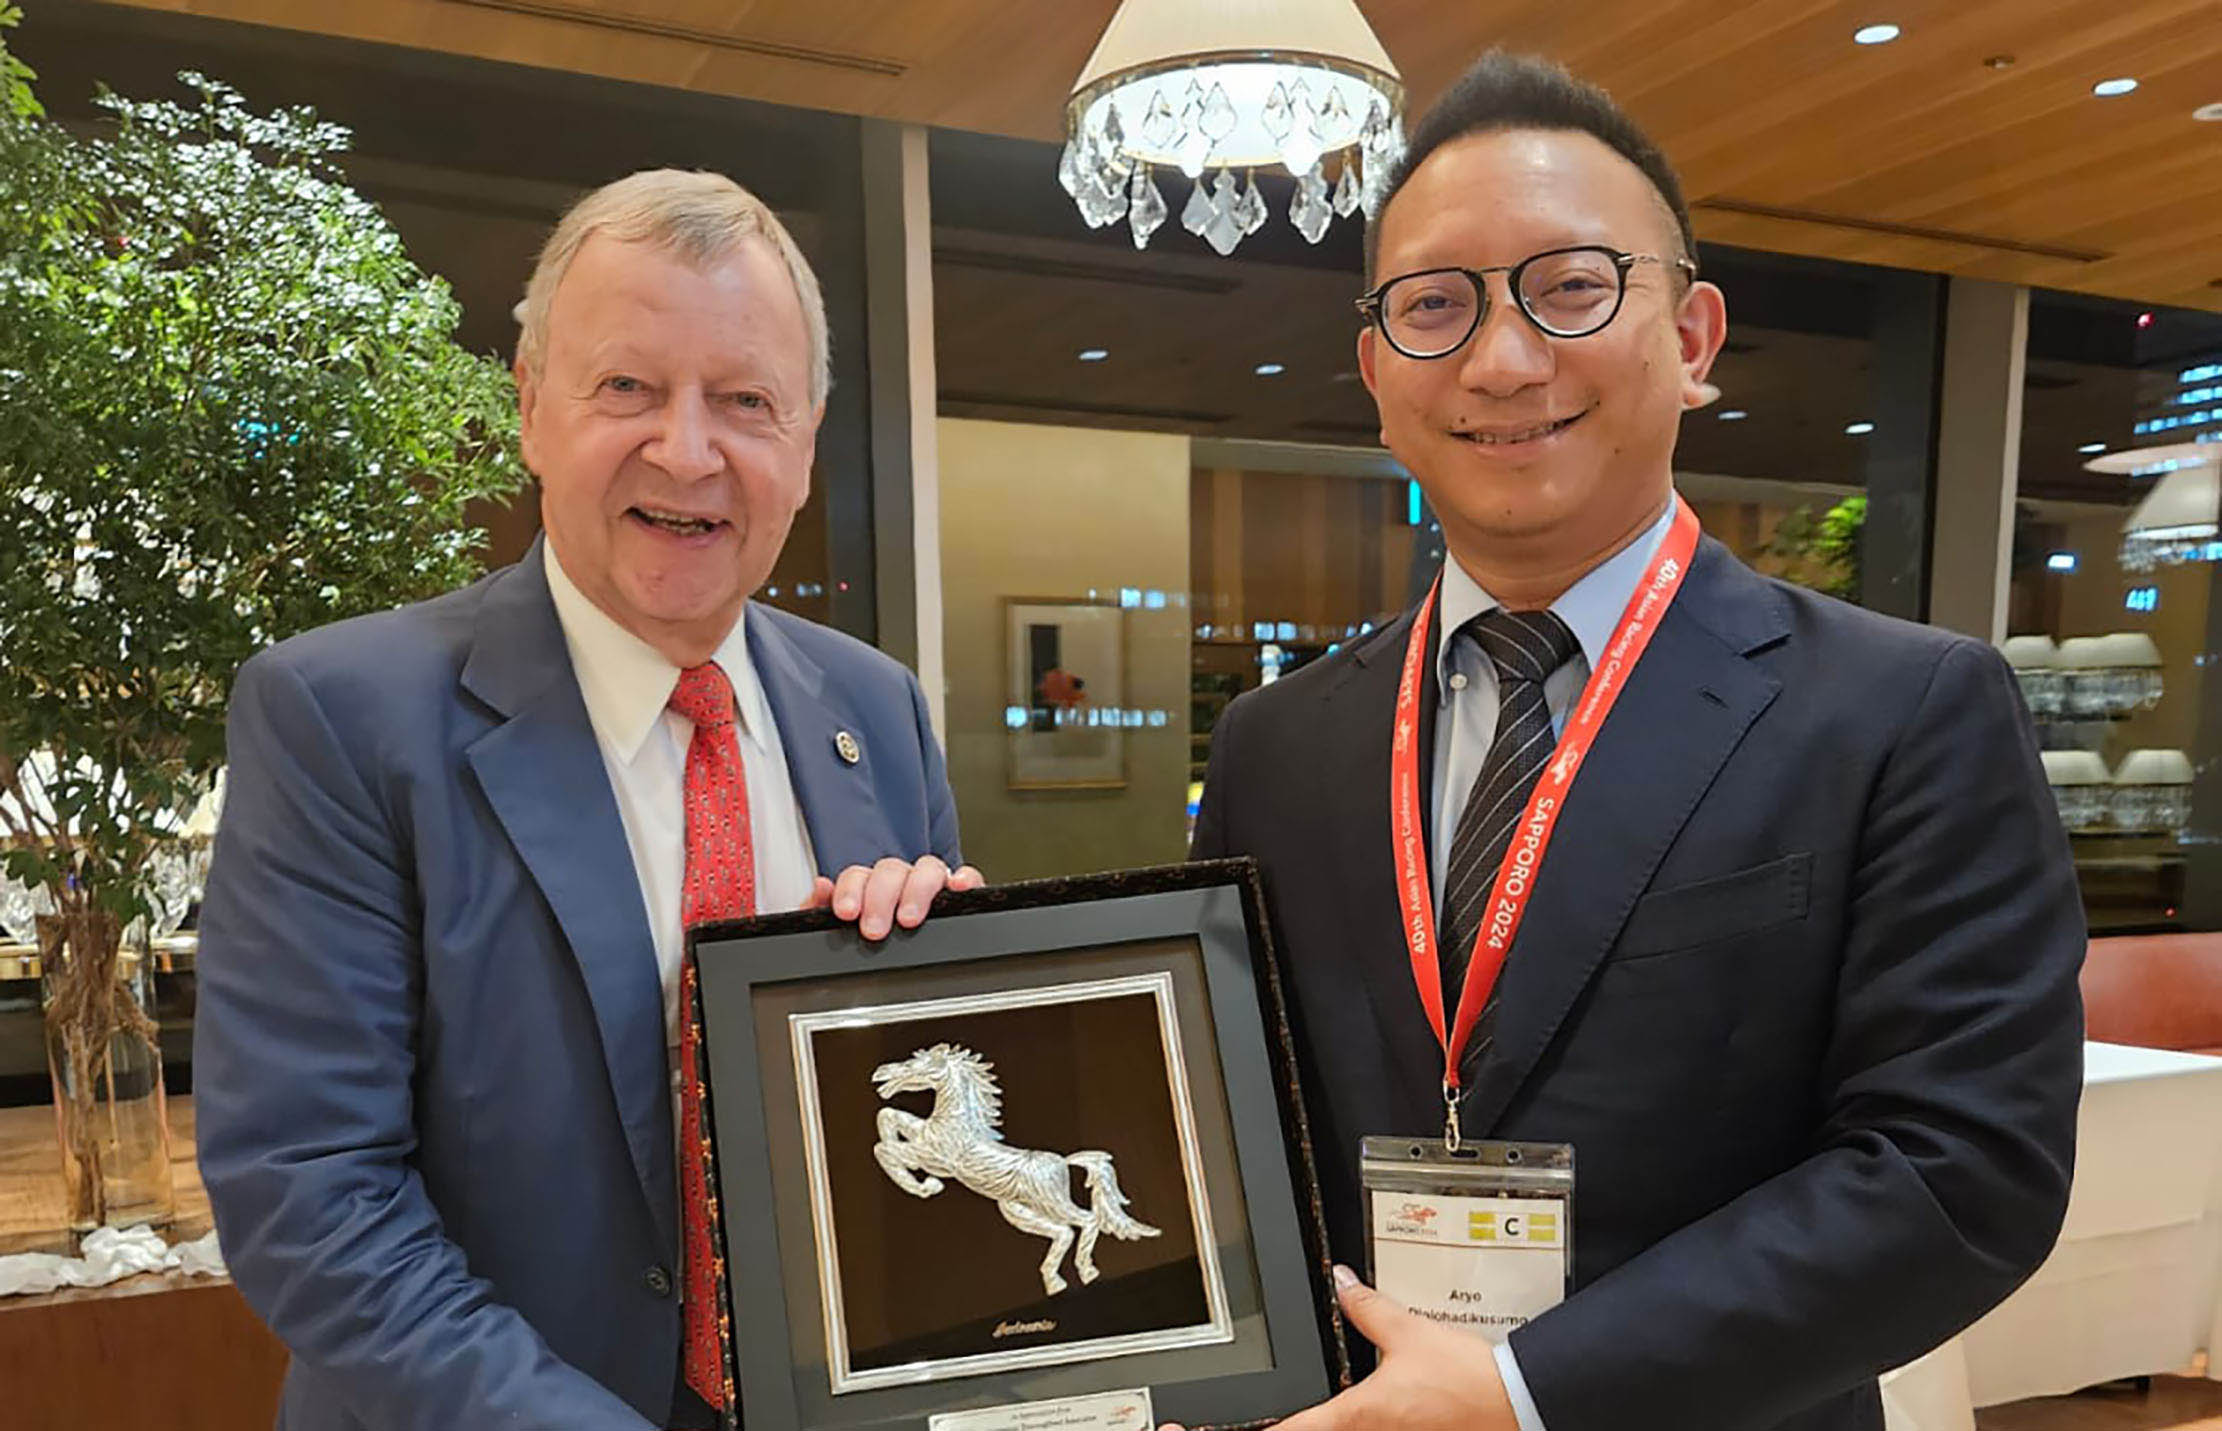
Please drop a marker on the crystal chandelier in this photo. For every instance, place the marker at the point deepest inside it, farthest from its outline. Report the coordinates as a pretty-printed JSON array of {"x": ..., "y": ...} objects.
[
  {"x": 2180, "y": 518},
  {"x": 1218, "y": 89}
]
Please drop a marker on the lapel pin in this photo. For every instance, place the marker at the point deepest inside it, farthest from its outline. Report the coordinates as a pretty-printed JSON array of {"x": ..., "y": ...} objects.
[{"x": 850, "y": 751}]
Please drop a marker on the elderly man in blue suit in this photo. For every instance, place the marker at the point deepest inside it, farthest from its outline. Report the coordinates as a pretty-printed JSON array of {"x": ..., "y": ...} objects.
[{"x": 440, "y": 949}]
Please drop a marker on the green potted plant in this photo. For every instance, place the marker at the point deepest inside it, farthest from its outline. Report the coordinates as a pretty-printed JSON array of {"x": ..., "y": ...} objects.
[
  {"x": 1821, "y": 552},
  {"x": 231, "y": 409}
]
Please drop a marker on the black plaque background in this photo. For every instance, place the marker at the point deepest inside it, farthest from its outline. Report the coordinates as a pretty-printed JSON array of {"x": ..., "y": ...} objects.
[{"x": 934, "y": 1278}]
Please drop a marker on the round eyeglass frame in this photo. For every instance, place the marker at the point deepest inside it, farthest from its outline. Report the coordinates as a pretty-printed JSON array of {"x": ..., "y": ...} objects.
[{"x": 1370, "y": 308}]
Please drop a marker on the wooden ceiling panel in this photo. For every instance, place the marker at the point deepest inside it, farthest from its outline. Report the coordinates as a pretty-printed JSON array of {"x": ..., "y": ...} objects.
[{"x": 1760, "y": 104}]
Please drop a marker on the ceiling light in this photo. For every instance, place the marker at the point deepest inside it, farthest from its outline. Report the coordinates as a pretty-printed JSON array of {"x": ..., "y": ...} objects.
[
  {"x": 1875, "y": 34},
  {"x": 2107, "y": 89},
  {"x": 1267, "y": 370},
  {"x": 2090, "y": 447},
  {"x": 2181, "y": 517},
  {"x": 1231, "y": 86},
  {"x": 1094, "y": 355},
  {"x": 1859, "y": 429},
  {"x": 2208, "y": 113},
  {"x": 1734, "y": 414}
]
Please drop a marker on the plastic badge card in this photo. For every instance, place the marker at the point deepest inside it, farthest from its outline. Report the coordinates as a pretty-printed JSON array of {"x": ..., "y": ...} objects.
[{"x": 1481, "y": 1238}]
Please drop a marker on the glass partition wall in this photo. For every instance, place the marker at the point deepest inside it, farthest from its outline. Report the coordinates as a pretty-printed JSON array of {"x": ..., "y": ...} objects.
[{"x": 2113, "y": 609}]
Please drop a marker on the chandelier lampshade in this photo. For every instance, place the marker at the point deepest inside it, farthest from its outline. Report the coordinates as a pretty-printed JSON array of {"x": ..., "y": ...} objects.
[{"x": 1218, "y": 90}]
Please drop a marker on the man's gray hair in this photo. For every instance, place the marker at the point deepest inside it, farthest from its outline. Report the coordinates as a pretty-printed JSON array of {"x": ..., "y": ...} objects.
[{"x": 698, "y": 216}]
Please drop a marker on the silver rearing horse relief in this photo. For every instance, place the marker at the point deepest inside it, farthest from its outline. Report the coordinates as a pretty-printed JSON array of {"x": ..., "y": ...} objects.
[{"x": 960, "y": 1139}]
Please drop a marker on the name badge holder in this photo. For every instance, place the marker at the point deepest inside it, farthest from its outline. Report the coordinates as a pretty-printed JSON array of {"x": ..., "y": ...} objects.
[{"x": 1480, "y": 1238}]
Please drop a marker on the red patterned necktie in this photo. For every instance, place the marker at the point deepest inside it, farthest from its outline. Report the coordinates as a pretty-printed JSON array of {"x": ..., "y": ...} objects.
[{"x": 720, "y": 884}]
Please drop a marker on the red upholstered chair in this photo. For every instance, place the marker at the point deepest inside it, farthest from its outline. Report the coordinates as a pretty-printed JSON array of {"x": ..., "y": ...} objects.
[{"x": 2155, "y": 991}]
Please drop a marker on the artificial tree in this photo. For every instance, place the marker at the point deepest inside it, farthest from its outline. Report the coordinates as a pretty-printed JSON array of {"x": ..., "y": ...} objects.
[{"x": 231, "y": 409}]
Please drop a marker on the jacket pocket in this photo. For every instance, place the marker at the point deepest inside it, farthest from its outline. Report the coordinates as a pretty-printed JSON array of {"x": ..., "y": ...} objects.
[{"x": 1723, "y": 907}]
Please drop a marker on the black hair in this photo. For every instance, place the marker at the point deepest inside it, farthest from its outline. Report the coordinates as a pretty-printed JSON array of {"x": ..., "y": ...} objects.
[{"x": 1505, "y": 91}]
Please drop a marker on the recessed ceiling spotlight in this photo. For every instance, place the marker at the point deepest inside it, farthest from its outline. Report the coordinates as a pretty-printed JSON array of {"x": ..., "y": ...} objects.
[
  {"x": 1875, "y": 34},
  {"x": 1267, "y": 370},
  {"x": 2208, "y": 113},
  {"x": 2090, "y": 447},
  {"x": 1859, "y": 429},
  {"x": 2107, "y": 89},
  {"x": 1734, "y": 414},
  {"x": 1094, "y": 355}
]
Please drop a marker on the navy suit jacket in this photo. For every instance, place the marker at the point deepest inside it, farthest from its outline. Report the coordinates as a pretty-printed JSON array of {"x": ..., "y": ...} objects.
[
  {"x": 1797, "y": 980},
  {"x": 429, "y": 1063}
]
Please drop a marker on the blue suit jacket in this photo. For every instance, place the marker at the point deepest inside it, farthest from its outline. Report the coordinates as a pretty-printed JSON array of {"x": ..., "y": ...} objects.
[
  {"x": 429, "y": 1064},
  {"x": 1797, "y": 980}
]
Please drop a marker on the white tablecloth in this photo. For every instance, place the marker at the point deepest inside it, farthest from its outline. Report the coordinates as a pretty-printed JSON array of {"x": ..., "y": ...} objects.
[{"x": 2135, "y": 1286}]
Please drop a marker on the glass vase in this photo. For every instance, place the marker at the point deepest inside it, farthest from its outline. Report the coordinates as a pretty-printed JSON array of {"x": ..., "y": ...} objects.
[{"x": 110, "y": 1115}]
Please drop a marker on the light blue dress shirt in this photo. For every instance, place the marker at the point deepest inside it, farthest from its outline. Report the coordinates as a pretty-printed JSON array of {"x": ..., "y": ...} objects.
[{"x": 1466, "y": 723}]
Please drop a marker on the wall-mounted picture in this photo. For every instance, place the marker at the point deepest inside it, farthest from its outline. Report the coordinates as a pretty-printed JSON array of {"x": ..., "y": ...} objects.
[{"x": 1065, "y": 702}]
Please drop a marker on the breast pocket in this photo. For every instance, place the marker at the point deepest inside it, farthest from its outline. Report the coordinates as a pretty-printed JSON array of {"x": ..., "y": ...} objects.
[{"x": 1711, "y": 910}]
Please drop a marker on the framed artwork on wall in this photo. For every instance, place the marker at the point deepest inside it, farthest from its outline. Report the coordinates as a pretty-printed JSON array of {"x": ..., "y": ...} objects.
[{"x": 1065, "y": 693}]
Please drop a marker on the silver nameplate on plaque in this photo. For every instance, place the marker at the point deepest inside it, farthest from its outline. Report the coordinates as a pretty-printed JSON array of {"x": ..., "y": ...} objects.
[{"x": 1104, "y": 1411}]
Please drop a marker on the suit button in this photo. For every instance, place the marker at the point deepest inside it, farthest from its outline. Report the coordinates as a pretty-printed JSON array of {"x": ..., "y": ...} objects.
[{"x": 658, "y": 1279}]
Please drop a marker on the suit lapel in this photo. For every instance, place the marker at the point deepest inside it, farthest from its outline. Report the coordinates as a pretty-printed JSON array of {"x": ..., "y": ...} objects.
[
  {"x": 543, "y": 774},
  {"x": 839, "y": 808},
  {"x": 1682, "y": 714},
  {"x": 1360, "y": 706}
]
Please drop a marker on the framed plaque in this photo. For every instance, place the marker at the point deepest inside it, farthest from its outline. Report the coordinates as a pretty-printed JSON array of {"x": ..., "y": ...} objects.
[{"x": 1045, "y": 1147}]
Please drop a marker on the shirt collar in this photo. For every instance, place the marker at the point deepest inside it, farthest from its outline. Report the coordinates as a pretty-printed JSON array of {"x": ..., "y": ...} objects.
[
  {"x": 1591, "y": 607},
  {"x": 627, "y": 683}
]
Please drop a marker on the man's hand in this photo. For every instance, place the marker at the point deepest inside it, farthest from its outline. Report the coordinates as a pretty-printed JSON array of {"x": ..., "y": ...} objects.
[
  {"x": 1432, "y": 1377},
  {"x": 889, "y": 893}
]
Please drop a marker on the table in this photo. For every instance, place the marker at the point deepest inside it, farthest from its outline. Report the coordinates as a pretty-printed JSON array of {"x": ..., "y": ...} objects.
[
  {"x": 2134, "y": 1286},
  {"x": 182, "y": 1353}
]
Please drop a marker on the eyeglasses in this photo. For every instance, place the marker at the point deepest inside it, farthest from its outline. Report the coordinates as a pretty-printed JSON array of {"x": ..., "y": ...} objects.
[{"x": 1564, "y": 292}]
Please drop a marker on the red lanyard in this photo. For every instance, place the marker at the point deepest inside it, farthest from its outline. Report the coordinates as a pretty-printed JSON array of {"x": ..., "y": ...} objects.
[{"x": 1508, "y": 898}]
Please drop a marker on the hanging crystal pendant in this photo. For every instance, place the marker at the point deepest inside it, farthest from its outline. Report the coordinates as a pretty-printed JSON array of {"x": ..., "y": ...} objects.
[
  {"x": 1275, "y": 117},
  {"x": 1224, "y": 230},
  {"x": 1335, "y": 125},
  {"x": 1300, "y": 150},
  {"x": 1197, "y": 212},
  {"x": 1219, "y": 116},
  {"x": 1251, "y": 209},
  {"x": 1310, "y": 211},
  {"x": 1103, "y": 199},
  {"x": 1194, "y": 152},
  {"x": 1160, "y": 127},
  {"x": 1068, "y": 168},
  {"x": 1346, "y": 188},
  {"x": 1145, "y": 207},
  {"x": 1373, "y": 143}
]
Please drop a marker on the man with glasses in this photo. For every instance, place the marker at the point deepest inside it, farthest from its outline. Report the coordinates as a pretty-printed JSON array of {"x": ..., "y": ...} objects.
[{"x": 1755, "y": 899}]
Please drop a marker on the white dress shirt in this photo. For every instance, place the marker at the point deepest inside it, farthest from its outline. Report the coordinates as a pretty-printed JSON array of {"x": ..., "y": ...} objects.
[
  {"x": 1466, "y": 723},
  {"x": 627, "y": 685}
]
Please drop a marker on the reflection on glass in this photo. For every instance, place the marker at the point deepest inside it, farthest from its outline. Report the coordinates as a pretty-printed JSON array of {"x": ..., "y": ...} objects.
[{"x": 2110, "y": 601}]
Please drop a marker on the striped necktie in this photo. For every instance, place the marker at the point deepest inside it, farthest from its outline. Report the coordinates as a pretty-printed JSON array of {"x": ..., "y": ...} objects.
[{"x": 1526, "y": 647}]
